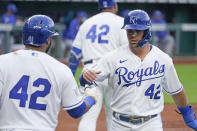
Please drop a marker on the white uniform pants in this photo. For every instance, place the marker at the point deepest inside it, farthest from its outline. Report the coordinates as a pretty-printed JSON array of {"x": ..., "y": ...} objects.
[
  {"x": 88, "y": 121},
  {"x": 154, "y": 124}
]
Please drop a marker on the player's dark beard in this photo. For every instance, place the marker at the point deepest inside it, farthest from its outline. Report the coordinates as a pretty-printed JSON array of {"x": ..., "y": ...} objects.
[{"x": 47, "y": 50}]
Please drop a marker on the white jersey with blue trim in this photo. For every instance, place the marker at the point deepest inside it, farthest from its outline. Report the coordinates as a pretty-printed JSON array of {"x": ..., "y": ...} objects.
[
  {"x": 137, "y": 84},
  {"x": 96, "y": 38},
  {"x": 33, "y": 88}
]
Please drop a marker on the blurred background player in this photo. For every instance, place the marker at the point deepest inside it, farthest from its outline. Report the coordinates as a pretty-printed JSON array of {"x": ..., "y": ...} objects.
[
  {"x": 162, "y": 39},
  {"x": 8, "y": 18},
  {"x": 72, "y": 30},
  {"x": 125, "y": 12},
  {"x": 35, "y": 94},
  {"x": 97, "y": 36}
]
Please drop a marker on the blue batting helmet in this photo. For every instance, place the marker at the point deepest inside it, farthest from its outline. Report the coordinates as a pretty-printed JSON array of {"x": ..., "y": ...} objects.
[
  {"x": 138, "y": 20},
  {"x": 12, "y": 7},
  {"x": 106, "y": 3},
  {"x": 37, "y": 29}
]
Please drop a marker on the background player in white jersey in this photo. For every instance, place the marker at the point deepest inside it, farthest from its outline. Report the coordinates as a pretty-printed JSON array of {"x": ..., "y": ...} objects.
[
  {"x": 97, "y": 36},
  {"x": 138, "y": 72},
  {"x": 34, "y": 86}
]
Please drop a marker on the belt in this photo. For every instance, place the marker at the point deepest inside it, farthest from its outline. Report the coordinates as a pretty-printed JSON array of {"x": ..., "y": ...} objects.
[
  {"x": 134, "y": 119},
  {"x": 88, "y": 62}
]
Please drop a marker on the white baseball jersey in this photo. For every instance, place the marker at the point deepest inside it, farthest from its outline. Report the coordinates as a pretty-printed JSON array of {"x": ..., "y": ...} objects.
[
  {"x": 137, "y": 85},
  {"x": 100, "y": 34},
  {"x": 33, "y": 88}
]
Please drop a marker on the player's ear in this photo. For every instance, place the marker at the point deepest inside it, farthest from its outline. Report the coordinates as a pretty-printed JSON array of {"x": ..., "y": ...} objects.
[
  {"x": 115, "y": 8},
  {"x": 47, "y": 45},
  {"x": 48, "y": 42}
]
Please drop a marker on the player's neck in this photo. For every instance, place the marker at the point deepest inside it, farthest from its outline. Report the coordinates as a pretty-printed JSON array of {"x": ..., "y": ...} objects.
[
  {"x": 141, "y": 52},
  {"x": 111, "y": 10},
  {"x": 34, "y": 48}
]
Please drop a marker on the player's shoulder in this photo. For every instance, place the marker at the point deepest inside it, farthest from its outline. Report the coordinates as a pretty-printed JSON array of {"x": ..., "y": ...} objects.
[
  {"x": 102, "y": 18},
  {"x": 5, "y": 57},
  {"x": 162, "y": 55},
  {"x": 56, "y": 63},
  {"x": 89, "y": 20},
  {"x": 113, "y": 17},
  {"x": 58, "y": 67},
  {"x": 114, "y": 54},
  {"x": 120, "y": 49}
]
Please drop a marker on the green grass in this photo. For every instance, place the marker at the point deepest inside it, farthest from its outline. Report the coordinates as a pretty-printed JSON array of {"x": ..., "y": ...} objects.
[
  {"x": 188, "y": 77},
  {"x": 77, "y": 74}
]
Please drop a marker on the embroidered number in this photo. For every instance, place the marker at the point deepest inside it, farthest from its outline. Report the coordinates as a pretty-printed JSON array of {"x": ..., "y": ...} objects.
[
  {"x": 150, "y": 92},
  {"x": 105, "y": 29},
  {"x": 22, "y": 85},
  {"x": 92, "y": 34}
]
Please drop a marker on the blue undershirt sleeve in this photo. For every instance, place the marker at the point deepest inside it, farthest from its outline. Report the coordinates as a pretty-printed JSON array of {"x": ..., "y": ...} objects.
[{"x": 74, "y": 59}]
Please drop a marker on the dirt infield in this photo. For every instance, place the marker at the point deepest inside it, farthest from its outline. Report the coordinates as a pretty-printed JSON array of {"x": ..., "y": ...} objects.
[
  {"x": 185, "y": 60},
  {"x": 171, "y": 121}
]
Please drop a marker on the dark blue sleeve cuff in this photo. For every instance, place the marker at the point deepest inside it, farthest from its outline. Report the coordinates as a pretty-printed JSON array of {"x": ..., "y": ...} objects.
[
  {"x": 82, "y": 81},
  {"x": 187, "y": 113},
  {"x": 184, "y": 110}
]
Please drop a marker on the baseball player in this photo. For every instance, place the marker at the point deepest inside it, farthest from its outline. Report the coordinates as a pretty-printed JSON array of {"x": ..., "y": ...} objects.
[
  {"x": 163, "y": 39},
  {"x": 8, "y": 18},
  {"x": 97, "y": 36},
  {"x": 34, "y": 86},
  {"x": 137, "y": 73}
]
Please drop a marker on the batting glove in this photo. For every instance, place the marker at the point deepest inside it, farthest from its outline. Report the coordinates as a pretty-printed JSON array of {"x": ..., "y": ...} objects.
[
  {"x": 189, "y": 116},
  {"x": 91, "y": 91}
]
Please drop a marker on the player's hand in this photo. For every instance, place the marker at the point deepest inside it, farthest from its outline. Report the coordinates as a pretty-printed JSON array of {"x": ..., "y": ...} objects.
[
  {"x": 91, "y": 91},
  {"x": 189, "y": 117},
  {"x": 90, "y": 75}
]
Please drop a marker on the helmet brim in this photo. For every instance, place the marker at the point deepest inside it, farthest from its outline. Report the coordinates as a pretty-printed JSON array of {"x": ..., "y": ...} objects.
[{"x": 135, "y": 27}]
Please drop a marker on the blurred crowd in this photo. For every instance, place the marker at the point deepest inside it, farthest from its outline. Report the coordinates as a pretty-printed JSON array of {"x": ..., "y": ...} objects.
[
  {"x": 8, "y": 18},
  {"x": 71, "y": 22}
]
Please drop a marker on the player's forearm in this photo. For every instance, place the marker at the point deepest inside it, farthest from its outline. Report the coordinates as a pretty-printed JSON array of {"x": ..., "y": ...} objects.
[
  {"x": 180, "y": 99},
  {"x": 77, "y": 112},
  {"x": 88, "y": 76},
  {"x": 185, "y": 109},
  {"x": 83, "y": 81}
]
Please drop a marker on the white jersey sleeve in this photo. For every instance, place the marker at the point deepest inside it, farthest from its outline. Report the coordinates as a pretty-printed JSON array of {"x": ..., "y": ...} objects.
[
  {"x": 71, "y": 96},
  {"x": 1, "y": 83},
  {"x": 104, "y": 65},
  {"x": 171, "y": 83},
  {"x": 78, "y": 39}
]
